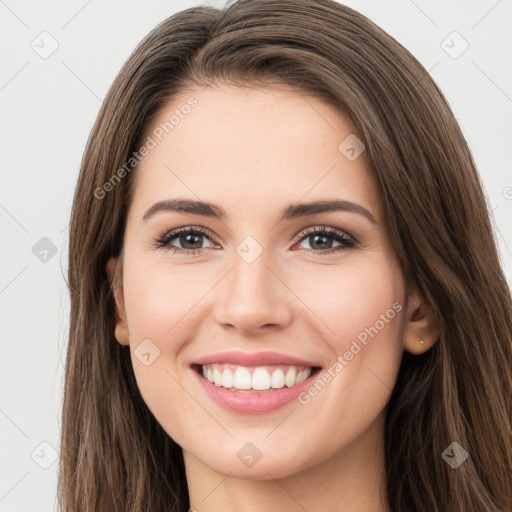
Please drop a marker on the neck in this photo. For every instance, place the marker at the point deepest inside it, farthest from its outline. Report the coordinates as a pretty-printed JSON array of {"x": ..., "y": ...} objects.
[{"x": 352, "y": 480}]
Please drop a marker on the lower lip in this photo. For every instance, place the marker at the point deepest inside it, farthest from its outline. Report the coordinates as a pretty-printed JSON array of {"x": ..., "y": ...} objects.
[{"x": 252, "y": 403}]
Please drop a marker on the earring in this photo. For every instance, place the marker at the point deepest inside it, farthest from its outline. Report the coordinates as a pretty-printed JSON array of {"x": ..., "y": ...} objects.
[{"x": 422, "y": 342}]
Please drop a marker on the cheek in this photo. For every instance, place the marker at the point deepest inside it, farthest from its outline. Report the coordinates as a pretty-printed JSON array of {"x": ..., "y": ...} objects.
[
  {"x": 165, "y": 304},
  {"x": 158, "y": 324},
  {"x": 161, "y": 306},
  {"x": 363, "y": 309},
  {"x": 353, "y": 300},
  {"x": 160, "y": 299}
]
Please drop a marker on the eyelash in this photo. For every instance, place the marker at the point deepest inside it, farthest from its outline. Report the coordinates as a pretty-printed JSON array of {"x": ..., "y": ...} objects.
[{"x": 347, "y": 241}]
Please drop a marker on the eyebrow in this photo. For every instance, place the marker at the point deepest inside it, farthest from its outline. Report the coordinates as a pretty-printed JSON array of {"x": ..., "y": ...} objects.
[{"x": 292, "y": 211}]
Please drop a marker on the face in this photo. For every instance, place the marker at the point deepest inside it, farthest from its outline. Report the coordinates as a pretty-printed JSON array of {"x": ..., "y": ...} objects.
[{"x": 303, "y": 310}]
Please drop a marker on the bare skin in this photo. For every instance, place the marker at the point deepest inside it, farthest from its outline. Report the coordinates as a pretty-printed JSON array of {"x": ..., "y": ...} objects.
[{"x": 253, "y": 152}]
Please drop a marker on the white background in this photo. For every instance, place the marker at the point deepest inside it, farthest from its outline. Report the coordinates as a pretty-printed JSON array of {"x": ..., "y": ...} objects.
[{"x": 47, "y": 109}]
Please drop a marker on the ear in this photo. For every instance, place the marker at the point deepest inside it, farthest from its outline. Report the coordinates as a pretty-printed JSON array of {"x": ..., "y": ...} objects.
[
  {"x": 420, "y": 324},
  {"x": 114, "y": 273}
]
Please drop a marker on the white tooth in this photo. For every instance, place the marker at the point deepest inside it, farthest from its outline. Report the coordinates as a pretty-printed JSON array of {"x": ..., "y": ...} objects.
[
  {"x": 217, "y": 377},
  {"x": 277, "y": 379},
  {"x": 209, "y": 375},
  {"x": 303, "y": 375},
  {"x": 289, "y": 380},
  {"x": 260, "y": 379},
  {"x": 242, "y": 379},
  {"x": 227, "y": 378},
  {"x": 205, "y": 372}
]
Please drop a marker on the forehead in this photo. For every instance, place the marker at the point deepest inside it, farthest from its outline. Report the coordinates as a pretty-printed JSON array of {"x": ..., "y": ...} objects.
[{"x": 240, "y": 146}]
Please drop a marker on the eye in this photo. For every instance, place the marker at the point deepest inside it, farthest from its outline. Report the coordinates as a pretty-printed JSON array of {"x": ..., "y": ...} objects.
[
  {"x": 189, "y": 238},
  {"x": 320, "y": 240}
]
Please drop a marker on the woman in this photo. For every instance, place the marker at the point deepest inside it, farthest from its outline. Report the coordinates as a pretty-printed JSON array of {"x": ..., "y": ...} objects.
[{"x": 338, "y": 335}]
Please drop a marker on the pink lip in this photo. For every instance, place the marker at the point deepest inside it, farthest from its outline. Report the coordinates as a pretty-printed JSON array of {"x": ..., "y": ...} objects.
[
  {"x": 256, "y": 359},
  {"x": 253, "y": 402}
]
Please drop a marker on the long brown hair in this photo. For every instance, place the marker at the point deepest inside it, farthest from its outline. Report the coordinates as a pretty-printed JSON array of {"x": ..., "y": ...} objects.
[{"x": 114, "y": 454}]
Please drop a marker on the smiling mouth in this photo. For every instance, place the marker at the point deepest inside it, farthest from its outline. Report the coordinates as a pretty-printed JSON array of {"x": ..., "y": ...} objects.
[{"x": 262, "y": 379}]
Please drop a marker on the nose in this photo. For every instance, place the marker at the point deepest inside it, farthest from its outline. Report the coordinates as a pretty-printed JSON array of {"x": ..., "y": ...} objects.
[{"x": 254, "y": 298}]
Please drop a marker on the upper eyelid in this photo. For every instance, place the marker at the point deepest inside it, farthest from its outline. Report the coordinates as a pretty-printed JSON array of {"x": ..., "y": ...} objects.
[{"x": 319, "y": 228}]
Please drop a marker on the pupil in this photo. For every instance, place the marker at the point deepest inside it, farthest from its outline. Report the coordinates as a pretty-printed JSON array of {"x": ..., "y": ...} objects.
[
  {"x": 186, "y": 238},
  {"x": 324, "y": 238}
]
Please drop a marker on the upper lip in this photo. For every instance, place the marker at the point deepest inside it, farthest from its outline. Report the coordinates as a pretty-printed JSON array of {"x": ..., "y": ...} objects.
[{"x": 253, "y": 359}]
